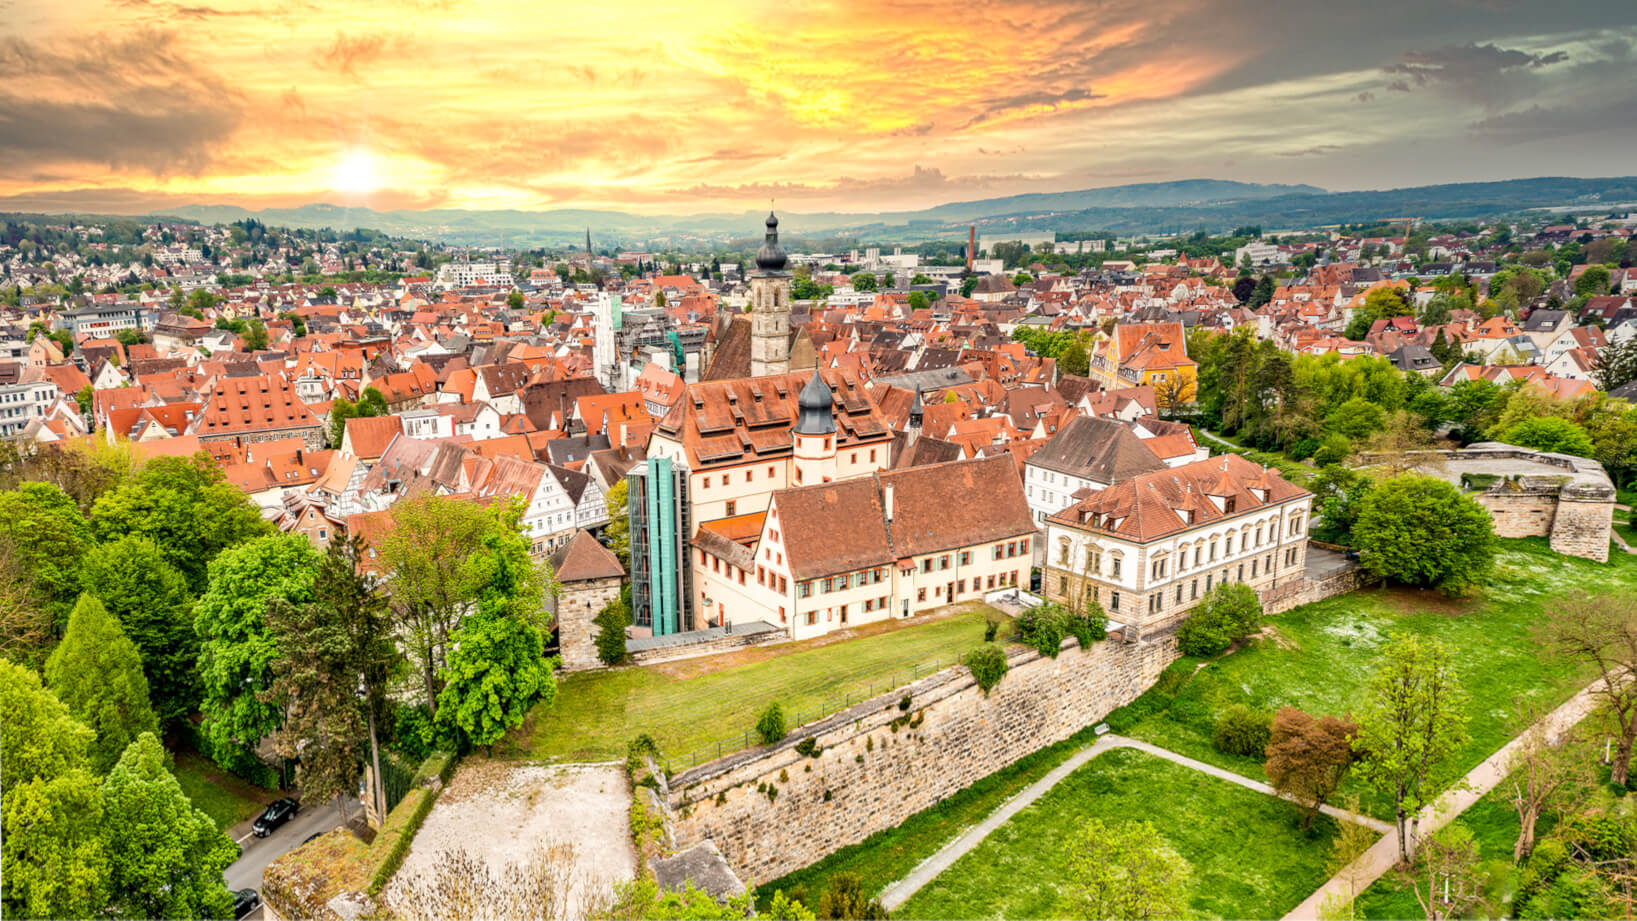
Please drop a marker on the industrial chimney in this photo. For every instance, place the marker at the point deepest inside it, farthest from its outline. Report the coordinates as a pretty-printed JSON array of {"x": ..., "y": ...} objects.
[{"x": 971, "y": 246}]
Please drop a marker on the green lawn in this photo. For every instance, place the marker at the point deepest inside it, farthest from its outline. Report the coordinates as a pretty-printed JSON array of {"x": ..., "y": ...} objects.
[
  {"x": 1624, "y": 526},
  {"x": 1249, "y": 857},
  {"x": 1320, "y": 656},
  {"x": 228, "y": 800},
  {"x": 697, "y": 703},
  {"x": 890, "y": 854},
  {"x": 1494, "y": 824}
]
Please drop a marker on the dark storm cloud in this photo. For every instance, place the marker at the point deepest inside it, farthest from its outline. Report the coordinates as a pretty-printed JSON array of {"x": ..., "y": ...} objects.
[{"x": 1004, "y": 105}]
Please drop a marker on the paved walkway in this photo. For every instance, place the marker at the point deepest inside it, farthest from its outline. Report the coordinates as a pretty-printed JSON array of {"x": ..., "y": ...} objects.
[
  {"x": 1383, "y": 855},
  {"x": 1621, "y": 541},
  {"x": 929, "y": 869}
]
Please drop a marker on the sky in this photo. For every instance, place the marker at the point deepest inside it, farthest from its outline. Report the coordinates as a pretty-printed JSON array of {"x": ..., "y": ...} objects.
[{"x": 128, "y": 106}]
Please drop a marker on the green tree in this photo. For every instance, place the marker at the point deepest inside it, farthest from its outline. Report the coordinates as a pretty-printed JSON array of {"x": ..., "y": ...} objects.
[
  {"x": 329, "y": 649},
  {"x": 619, "y": 522},
  {"x": 1422, "y": 531},
  {"x": 1412, "y": 728},
  {"x": 514, "y": 300},
  {"x": 429, "y": 555},
  {"x": 236, "y": 648},
  {"x": 920, "y": 279},
  {"x": 1549, "y": 433},
  {"x": 51, "y": 856},
  {"x": 918, "y": 300},
  {"x": 1229, "y": 612},
  {"x": 185, "y": 506},
  {"x": 1262, "y": 293},
  {"x": 45, "y": 527},
  {"x": 167, "y": 858},
  {"x": 150, "y": 599},
  {"x": 496, "y": 669},
  {"x": 611, "y": 622},
  {"x": 1615, "y": 365},
  {"x": 97, "y": 672},
  {"x": 372, "y": 403},
  {"x": 85, "y": 398},
  {"x": 1593, "y": 282},
  {"x": 1357, "y": 419},
  {"x": 968, "y": 285},
  {"x": 341, "y": 409},
  {"x": 1075, "y": 359},
  {"x": 864, "y": 281},
  {"x": 255, "y": 335},
  {"x": 1124, "y": 870}
]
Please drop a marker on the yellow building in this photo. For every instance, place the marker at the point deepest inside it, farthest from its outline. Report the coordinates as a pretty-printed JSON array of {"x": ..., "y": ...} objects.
[{"x": 1152, "y": 354}]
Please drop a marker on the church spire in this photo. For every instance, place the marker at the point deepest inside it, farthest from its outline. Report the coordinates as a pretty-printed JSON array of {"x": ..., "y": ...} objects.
[{"x": 771, "y": 257}]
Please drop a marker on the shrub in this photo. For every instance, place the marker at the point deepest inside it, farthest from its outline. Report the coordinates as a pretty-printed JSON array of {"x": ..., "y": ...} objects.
[
  {"x": 1601, "y": 837},
  {"x": 1043, "y": 628},
  {"x": 1304, "y": 449},
  {"x": 611, "y": 622},
  {"x": 846, "y": 899},
  {"x": 1334, "y": 450},
  {"x": 1088, "y": 625},
  {"x": 808, "y": 748},
  {"x": 1241, "y": 730},
  {"x": 1203, "y": 635},
  {"x": 991, "y": 628},
  {"x": 1229, "y": 612},
  {"x": 903, "y": 703},
  {"x": 771, "y": 725},
  {"x": 987, "y": 664}
]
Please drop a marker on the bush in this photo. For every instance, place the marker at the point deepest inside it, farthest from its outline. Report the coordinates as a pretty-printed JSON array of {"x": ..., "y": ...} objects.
[
  {"x": 1241, "y": 730},
  {"x": 396, "y": 834},
  {"x": 991, "y": 628},
  {"x": 1333, "y": 450},
  {"x": 1089, "y": 625},
  {"x": 1601, "y": 837},
  {"x": 611, "y": 622},
  {"x": 1229, "y": 612},
  {"x": 1304, "y": 449},
  {"x": 987, "y": 664},
  {"x": 771, "y": 726},
  {"x": 1204, "y": 635},
  {"x": 846, "y": 899},
  {"x": 808, "y": 747},
  {"x": 1042, "y": 628}
]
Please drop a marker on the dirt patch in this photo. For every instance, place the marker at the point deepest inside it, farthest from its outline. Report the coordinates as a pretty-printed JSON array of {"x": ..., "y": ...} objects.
[
  {"x": 1270, "y": 634},
  {"x": 505, "y": 815},
  {"x": 1406, "y": 600}
]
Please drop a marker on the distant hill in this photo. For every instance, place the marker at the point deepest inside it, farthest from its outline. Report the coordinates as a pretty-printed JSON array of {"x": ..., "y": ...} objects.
[{"x": 1187, "y": 205}]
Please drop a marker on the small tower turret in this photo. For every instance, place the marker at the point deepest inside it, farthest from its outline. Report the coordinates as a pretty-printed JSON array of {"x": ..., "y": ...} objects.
[{"x": 815, "y": 433}]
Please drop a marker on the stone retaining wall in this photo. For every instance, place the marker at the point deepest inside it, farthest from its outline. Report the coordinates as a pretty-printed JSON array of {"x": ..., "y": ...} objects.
[
  {"x": 772, "y": 810},
  {"x": 1310, "y": 590},
  {"x": 710, "y": 647}
]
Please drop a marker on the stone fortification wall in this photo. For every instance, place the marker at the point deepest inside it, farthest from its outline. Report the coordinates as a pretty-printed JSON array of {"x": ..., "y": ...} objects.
[
  {"x": 1582, "y": 526},
  {"x": 1308, "y": 591},
  {"x": 774, "y": 810}
]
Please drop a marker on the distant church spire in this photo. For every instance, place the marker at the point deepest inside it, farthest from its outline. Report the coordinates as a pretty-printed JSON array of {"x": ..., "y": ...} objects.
[
  {"x": 588, "y": 245},
  {"x": 770, "y": 306}
]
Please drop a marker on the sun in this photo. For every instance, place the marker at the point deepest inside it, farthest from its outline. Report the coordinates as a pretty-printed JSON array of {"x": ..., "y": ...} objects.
[{"x": 357, "y": 173}]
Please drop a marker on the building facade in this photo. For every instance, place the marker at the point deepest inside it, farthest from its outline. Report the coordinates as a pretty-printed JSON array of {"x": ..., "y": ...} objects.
[{"x": 1148, "y": 548}]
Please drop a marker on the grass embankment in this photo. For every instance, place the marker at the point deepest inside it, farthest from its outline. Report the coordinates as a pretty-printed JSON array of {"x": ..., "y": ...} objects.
[
  {"x": 1250, "y": 858},
  {"x": 228, "y": 800},
  {"x": 1319, "y": 658},
  {"x": 693, "y": 704}
]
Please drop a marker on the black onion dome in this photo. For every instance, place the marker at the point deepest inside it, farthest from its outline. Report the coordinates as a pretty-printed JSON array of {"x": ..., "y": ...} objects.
[
  {"x": 771, "y": 257},
  {"x": 814, "y": 403}
]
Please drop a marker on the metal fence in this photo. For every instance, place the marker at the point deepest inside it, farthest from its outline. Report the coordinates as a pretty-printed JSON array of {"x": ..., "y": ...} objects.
[{"x": 797, "y": 718}]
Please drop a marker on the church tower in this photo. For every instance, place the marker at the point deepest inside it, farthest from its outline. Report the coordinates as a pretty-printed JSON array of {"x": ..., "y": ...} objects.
[{"x": 770, "y": 307}]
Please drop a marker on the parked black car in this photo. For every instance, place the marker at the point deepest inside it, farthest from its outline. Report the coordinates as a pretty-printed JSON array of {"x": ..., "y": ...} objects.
[
  {"x": 245, "y": 901},
  {"x": 277, "y": 813}
]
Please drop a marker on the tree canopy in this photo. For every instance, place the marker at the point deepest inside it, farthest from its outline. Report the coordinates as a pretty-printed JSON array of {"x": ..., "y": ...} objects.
[
  {"x": 1422, "y": 531},
  {"x": 96, "y": 672},
  {"x": 132, "y": 579},
  {"x": 185, "y": 506},
  {"x": 236, "y": 649}
]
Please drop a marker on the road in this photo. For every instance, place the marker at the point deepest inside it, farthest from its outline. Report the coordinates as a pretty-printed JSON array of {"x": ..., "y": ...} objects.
[{"x": 257, "y": 853}]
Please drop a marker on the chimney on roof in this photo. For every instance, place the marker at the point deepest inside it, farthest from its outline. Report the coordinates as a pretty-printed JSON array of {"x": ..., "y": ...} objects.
[{"x": 886, "y": 500}]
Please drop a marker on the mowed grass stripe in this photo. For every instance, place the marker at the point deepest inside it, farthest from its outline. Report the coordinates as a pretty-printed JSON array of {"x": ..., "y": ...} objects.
[{"x": 695, "y": 704}]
